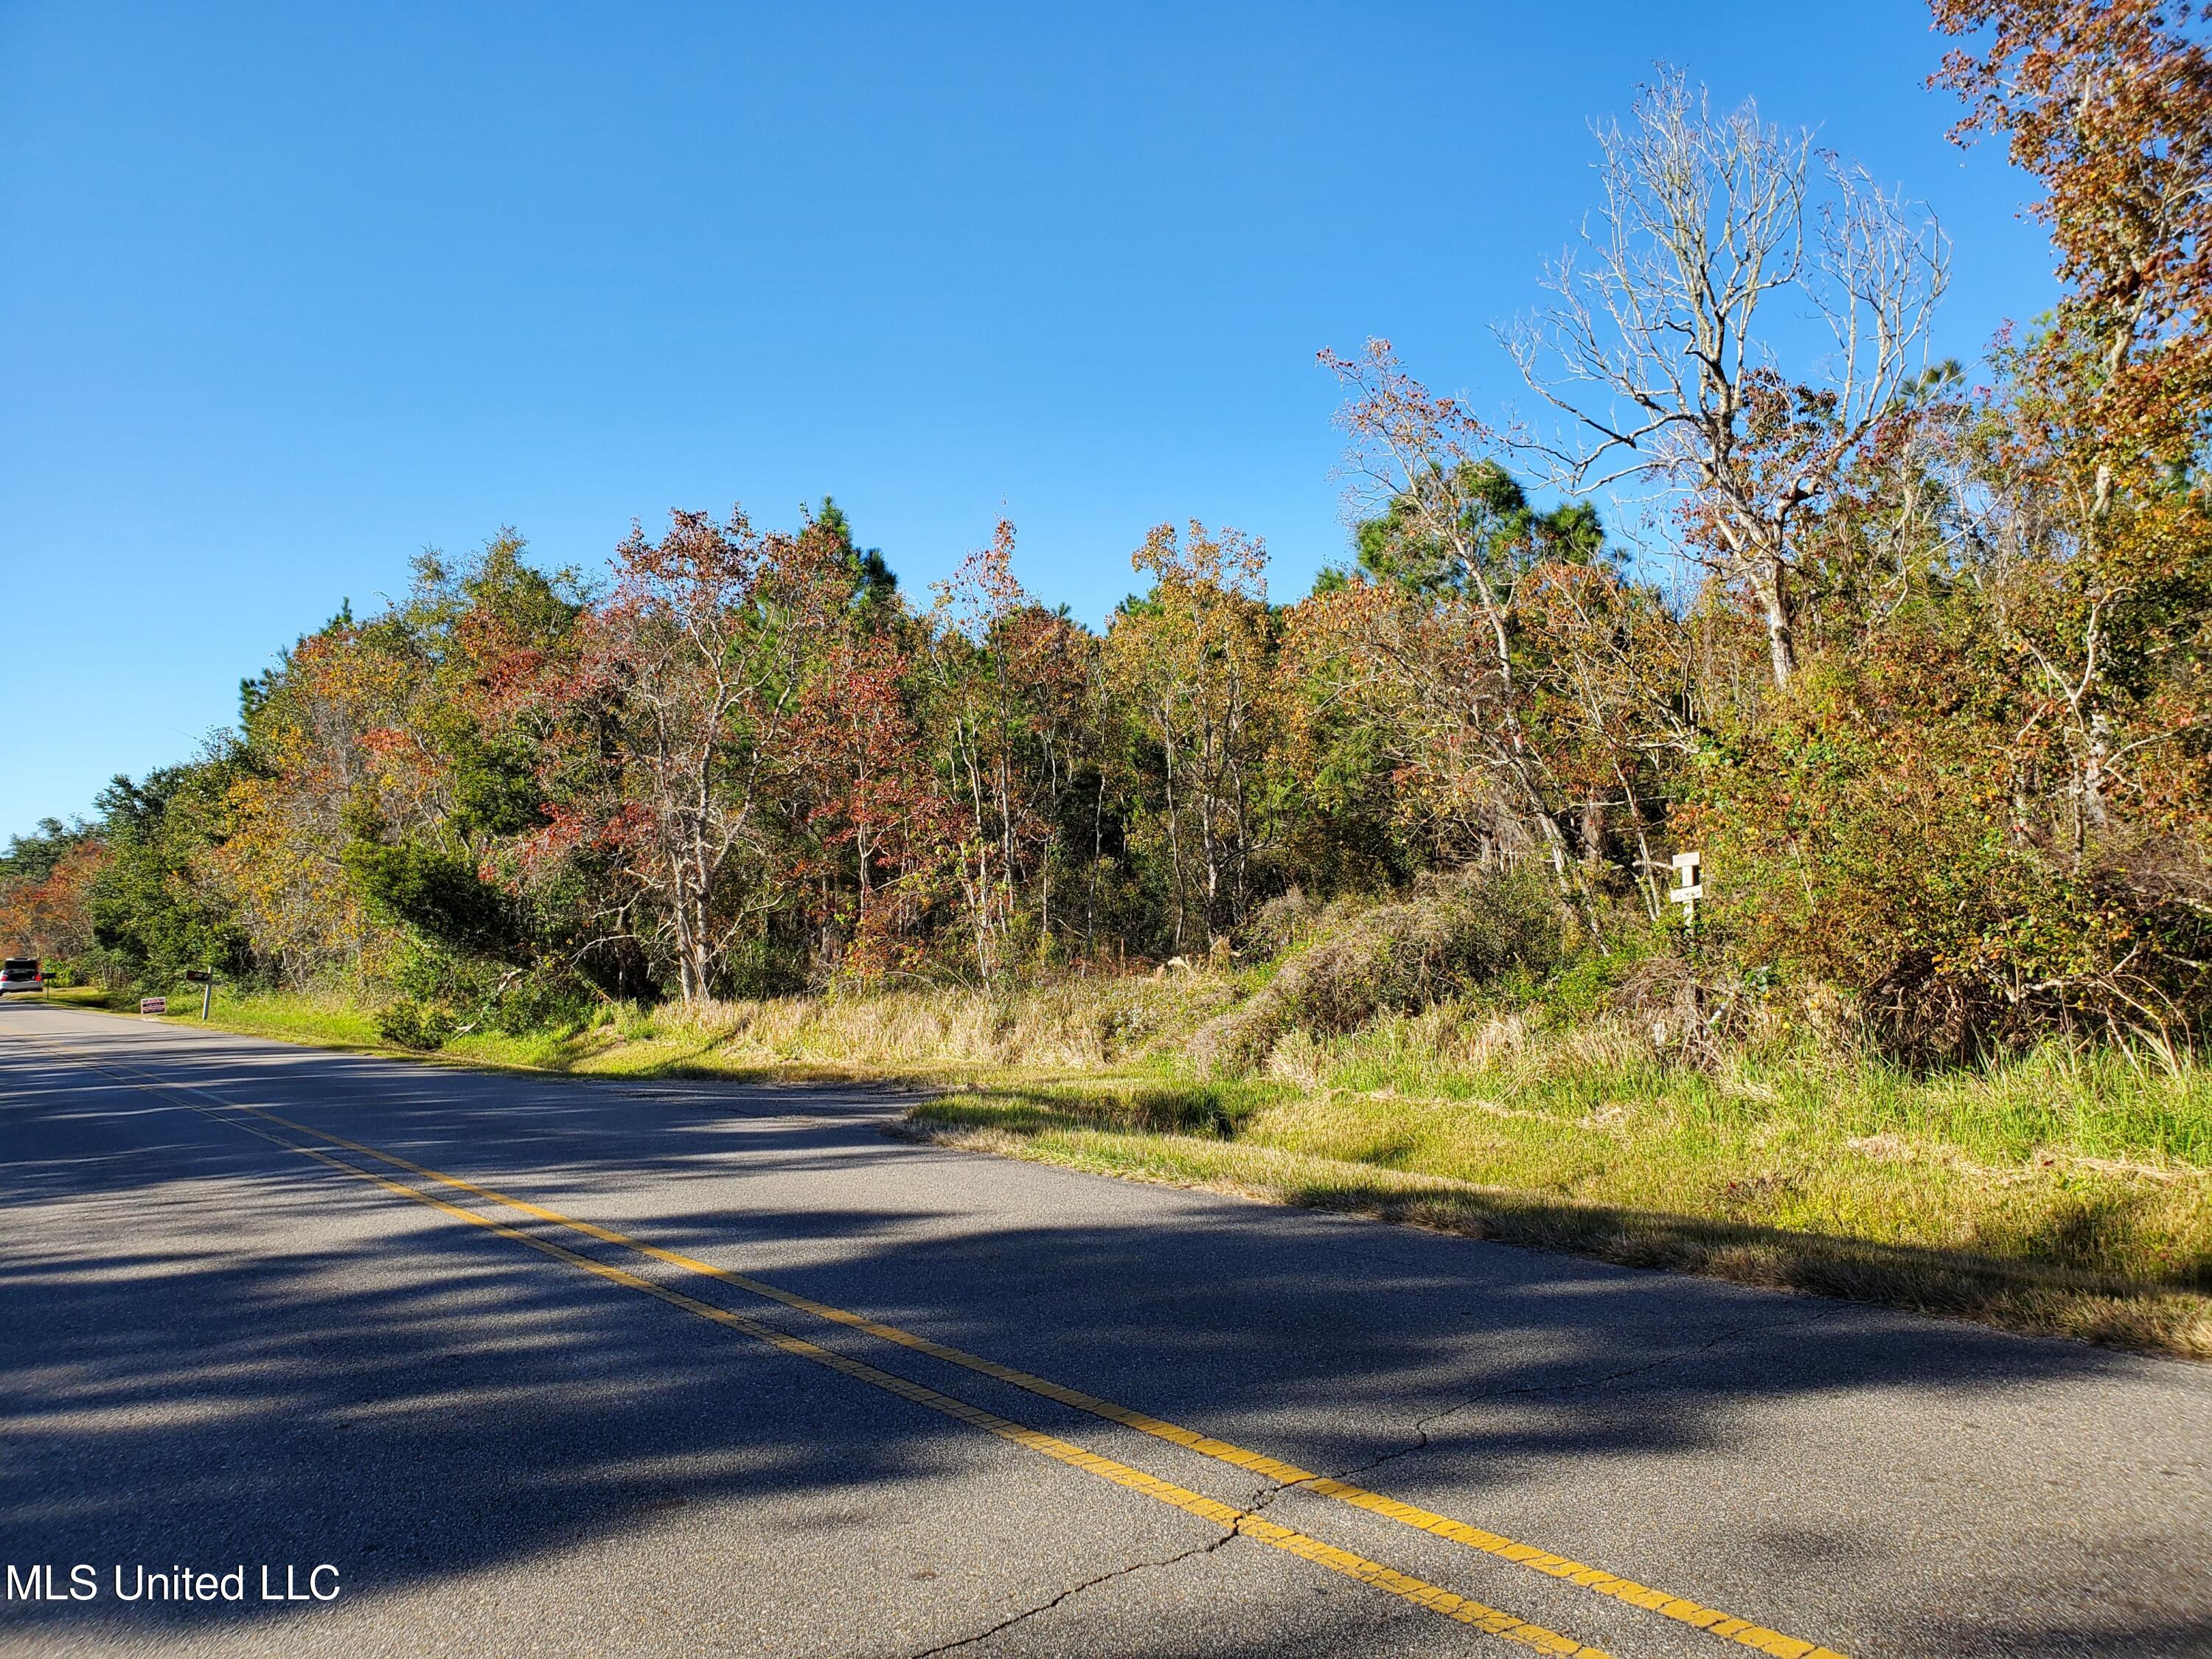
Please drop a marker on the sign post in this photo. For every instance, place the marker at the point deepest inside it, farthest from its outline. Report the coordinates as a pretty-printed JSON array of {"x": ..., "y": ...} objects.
[
  {"x": 205, "y": 978},
  {"x": 1688, "y": 889}
]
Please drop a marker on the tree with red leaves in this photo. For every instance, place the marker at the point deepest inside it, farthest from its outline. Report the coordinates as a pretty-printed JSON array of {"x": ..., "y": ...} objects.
[{"x": 677, "y": 718}]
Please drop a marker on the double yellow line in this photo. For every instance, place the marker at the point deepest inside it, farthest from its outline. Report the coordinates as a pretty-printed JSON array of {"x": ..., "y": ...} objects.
[{"x": 1713, "y": 1620}]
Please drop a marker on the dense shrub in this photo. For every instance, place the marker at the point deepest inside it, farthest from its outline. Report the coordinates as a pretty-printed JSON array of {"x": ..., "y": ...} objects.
[
  {"x": 416, "y": 1024},
  {"x": 1870, "y": 837},
  {"x": 1453, "y": 934},
  {"x": 1280, "y": 923}
]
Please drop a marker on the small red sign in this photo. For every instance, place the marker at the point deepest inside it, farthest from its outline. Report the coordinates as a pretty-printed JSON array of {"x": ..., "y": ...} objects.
[{"x": 153, "y": 1004}]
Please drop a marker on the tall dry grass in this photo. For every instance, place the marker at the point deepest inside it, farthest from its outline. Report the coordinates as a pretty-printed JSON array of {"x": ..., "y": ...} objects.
[{"x": 1074, "y": 1025}]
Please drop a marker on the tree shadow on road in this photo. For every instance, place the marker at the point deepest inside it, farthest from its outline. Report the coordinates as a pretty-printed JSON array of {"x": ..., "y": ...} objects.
[{"x": 217, "y": 1352}]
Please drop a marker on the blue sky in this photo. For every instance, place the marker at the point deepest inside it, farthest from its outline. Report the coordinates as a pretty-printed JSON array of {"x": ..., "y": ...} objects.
[{"x": 288, "y": 294}]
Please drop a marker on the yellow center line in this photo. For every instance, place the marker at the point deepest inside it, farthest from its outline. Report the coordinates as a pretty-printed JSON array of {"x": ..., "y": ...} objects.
[
  {"x": 1435, "y": 1598},
  {"x": 1682, "y": 1609}
]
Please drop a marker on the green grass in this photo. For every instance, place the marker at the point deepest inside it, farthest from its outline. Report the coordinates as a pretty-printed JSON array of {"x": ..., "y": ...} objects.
[
  {"x": 944, "y": 1034},
  {"x": 326, "y": 1021},
  {"x": 2062, "y": 1192},
  {"x": 2066, "y": 1191}
]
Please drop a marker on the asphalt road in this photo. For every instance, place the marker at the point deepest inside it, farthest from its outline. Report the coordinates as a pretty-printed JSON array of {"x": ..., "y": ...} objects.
[{"x": 507, "y": 1433}]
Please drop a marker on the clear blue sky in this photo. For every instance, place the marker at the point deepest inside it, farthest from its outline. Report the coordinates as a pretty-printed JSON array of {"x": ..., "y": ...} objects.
[{"x": 290, "y": 293}]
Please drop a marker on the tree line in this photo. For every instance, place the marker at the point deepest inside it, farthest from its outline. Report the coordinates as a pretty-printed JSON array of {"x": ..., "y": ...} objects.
[{"x": 1917, "y": 660}]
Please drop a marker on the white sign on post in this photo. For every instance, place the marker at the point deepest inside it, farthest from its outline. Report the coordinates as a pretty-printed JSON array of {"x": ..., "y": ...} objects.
[
  {"x": 153, "y": 1004},
  {"x": 1688, "y": 889}
]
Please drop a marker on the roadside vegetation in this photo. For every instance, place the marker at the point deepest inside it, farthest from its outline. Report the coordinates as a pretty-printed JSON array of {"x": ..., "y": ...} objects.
[
  {"x": 2065, "y": 1188},
  {"x": 1361, "y": 899}
]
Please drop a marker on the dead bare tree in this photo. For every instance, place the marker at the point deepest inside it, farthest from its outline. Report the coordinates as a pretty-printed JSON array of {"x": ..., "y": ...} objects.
[
  {"x": 1656, "y": 347},
  {"x": 1426, "y": 456}
]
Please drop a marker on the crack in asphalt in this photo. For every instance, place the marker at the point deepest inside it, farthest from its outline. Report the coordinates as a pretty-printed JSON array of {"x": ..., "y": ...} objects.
[
  {"x": 1423, "y": 1426},
  {"x": 1422, "y": 1429},
  {"x": 1230, "y": 1533}
]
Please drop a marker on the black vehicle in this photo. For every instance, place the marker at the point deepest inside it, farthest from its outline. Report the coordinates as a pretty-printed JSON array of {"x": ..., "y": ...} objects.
[{"x": 19, "y": 974}]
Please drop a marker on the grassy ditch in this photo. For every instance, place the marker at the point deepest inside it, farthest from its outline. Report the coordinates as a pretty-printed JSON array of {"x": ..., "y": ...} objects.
[{"x": 2064, "y": 1193}]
